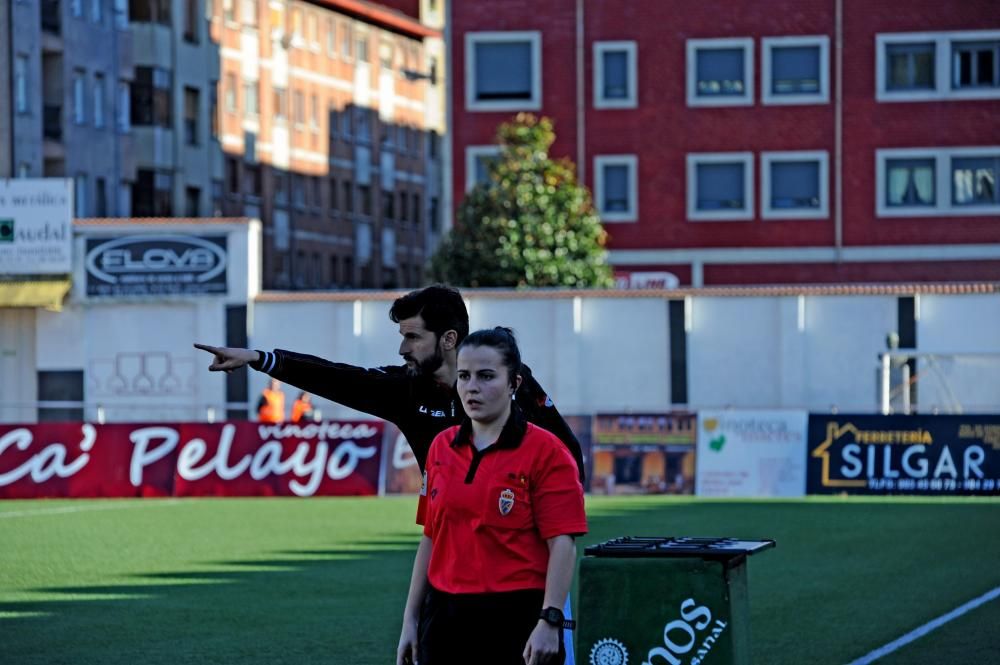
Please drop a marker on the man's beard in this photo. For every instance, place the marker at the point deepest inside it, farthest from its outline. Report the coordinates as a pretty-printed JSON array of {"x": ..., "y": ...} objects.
[{"x": 427, "y": 366}]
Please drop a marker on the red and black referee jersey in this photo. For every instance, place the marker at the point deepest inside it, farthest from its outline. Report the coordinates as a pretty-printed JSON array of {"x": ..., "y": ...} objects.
[
  {"x": 418, "y": 405},
  {"x": 490, "y": 512}
]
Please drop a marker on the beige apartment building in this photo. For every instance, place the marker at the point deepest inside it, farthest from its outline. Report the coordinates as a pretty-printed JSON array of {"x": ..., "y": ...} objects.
[{"x": 330, "y": 120}]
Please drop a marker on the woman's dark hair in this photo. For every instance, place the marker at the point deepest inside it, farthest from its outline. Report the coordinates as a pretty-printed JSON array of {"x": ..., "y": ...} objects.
[
  {"x": 501, "y": 339},
  {"x": 441, "y": 307}
]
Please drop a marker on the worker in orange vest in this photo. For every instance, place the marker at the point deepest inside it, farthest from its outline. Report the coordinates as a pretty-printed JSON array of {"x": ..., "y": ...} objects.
[
  {"x": 271, "y": 407},
  {"x": 302, "y": 409}
]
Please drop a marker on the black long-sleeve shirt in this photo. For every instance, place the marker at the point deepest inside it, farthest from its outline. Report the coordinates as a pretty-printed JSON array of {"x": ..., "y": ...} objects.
[{"x": 418, "y": 405}]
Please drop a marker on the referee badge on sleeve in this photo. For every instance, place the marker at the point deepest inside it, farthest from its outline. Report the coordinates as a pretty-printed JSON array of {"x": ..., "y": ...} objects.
[{"x": 506, "y": 501}]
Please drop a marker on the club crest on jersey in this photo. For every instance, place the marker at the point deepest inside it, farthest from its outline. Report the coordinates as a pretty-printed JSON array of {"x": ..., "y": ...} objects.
[{"x": 506, "y": 501}]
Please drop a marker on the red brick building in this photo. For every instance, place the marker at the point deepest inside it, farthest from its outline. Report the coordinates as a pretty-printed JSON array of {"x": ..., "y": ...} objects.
[{"x": 729, "y": 143}]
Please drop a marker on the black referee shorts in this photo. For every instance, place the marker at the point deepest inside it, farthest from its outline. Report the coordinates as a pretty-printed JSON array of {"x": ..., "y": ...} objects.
[{"x": 479, "y": 629}]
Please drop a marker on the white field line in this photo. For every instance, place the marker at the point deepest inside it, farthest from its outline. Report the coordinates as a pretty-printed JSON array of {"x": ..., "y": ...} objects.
[
  {"x": 927, "y": 627},
  {"x": 61, "y": 510}
]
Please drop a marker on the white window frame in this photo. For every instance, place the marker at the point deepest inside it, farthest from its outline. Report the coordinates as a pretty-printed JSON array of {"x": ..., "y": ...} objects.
[
  {"x": 694, "y": 45},
  {"x": 631, "y": 162},
  {"x": 631, "y": 72},
  {"x": 942, "y": 66},
  {"x": 534, "y": 39},
  {"x": 472, "y": 155},
  {"x": 943, "y": 206},
  {"x": 822, "y": 157},
  {"x": 821, "y": 97},
  {"x": 693, "y": 161}
]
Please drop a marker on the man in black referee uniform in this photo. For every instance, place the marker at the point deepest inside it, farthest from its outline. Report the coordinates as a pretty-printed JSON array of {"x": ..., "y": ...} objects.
[{"x": 418, "y": 397}]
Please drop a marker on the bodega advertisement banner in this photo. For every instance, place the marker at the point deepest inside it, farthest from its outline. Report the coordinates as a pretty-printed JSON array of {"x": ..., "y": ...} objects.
[
  {"x": 156, "y": 265},
  {"x": 331, "y": 458},
  {"x": 929, "y": 455},
  {"x": 751, "y": 453}
]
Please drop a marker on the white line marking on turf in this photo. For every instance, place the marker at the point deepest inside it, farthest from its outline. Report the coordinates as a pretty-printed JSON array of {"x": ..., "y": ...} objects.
[
  {"x": 927, "y": 627},
  {"x": 61, "y": 510}
]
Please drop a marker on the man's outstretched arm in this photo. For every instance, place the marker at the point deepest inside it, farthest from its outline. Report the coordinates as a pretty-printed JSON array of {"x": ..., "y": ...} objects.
[{"x": 372, "y": 391}]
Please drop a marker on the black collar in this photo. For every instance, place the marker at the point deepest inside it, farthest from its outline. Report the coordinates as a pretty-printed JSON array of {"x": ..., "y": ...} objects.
[{"x": 510, "y": 437}]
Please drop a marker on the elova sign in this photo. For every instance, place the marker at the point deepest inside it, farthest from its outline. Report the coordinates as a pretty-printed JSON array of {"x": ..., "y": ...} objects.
[
  {"x": 190, "y": 459},
  {"x": 156, "y": 264}
]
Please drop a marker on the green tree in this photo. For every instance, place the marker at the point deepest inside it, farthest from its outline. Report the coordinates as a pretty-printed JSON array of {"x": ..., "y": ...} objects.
[{"x": 531, "y": 224}]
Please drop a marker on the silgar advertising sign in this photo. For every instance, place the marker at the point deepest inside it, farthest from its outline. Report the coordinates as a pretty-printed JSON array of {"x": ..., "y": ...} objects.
[
  {"x": 154, "y": 265},
  {"x": 751, "y": 453},
  {"x": 36, "y": 226},
  {"x": 930, "y": 455}
]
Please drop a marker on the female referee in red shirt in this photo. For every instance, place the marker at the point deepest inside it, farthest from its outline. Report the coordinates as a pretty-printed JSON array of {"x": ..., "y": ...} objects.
[{"x": 501, "y": 505}]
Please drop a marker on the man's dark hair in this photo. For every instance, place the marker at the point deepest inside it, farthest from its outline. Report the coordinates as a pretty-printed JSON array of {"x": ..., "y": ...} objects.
[
  {"x": 441, "y": 307},
  {"x": 501, "y": 339}
]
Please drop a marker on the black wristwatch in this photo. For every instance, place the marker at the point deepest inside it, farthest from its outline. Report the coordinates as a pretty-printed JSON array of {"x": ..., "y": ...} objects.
[{"x": 554, "y": 617}]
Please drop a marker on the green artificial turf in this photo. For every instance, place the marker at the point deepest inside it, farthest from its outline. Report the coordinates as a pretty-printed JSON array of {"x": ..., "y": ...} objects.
[{"x": 324, "y": 580}]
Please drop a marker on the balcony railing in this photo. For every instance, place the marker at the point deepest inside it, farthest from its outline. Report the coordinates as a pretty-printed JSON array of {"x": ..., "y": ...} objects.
[
  {"x": 53, "y": 122},
  {"x": 52, "y": 16}
]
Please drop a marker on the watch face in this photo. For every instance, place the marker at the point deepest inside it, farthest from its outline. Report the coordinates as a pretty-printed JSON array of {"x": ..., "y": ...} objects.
[{"x": 552, "y": 615}]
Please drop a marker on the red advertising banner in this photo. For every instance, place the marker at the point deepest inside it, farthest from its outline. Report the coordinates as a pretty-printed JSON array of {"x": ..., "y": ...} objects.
[{"x": 331, "y": 458}]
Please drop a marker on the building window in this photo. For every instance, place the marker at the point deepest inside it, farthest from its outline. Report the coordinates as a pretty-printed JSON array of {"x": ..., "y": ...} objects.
[
  {"x": 910, "y": 183},
  {"x": 251, "y": 99},
  {"x": 616, "y": 187},
  {"x": 228, "y": 11},
  {"x": 477, "y": 164},
  {"x": 615, "y": 75},
  {"x": 794, "y": 185},
  {"x": 331, "y": 38},
  {"x": 100, "y": 197},
  {"x": 76, "y": 8},
  {"x": 974, "y": 181},
  {"x": 121, "y": 14},
  {"x": 298, "y": 192},
  {"x": 503, "y": 71},
  {"x": 79, "y": 97},
  {"x": 191, "y": 104},
  {"x": 21, "y": 84},
  {"x": 365, "y": 197},
  {"x": 80, "y": 195},
  {"x": 96, "y": 11},
  {"x": 976, "y": 64},
  {"x": 298, "y": 108},
  {"x": 388, "y": 205},
  {"x": 191, "y": 21},
  {"x": 720, "y": 72},
  {"x": 348, "y": 196},
  {"x": 914, "y": 182},
  {"x": 346, "y": 41},
  {"x": 99, "y": 93},
  {"x": 937, "y": 66},
  {"x": 404, "y": 207},
  {"x": 362, "y": 125},
  {"x": 312, "y": 31},
  {"x": 152, "y": 194},
  {"x": 248, "y": 12},
  {"x": 796, "y": 70},
  {"x": 251, "y": 181},
  {"x": 232, "y": 175},
  {"x": 280, "y": 104},
  {"x": 123, "y": 121},
  {"x": 192, "y": 201},
  {"x": 314, "y": 113},
  {"x": 332, "y": 208},
  {"x": 417, "y": 213},
  {"x": 361, "y": 49},
  {"x": 911, "y": 66},
  {"x": 720, "y": 186},
  {"x": 152, "y": 97},
  {"x": 230, "y": 93},
  {"x": 149, "y": 11}
]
